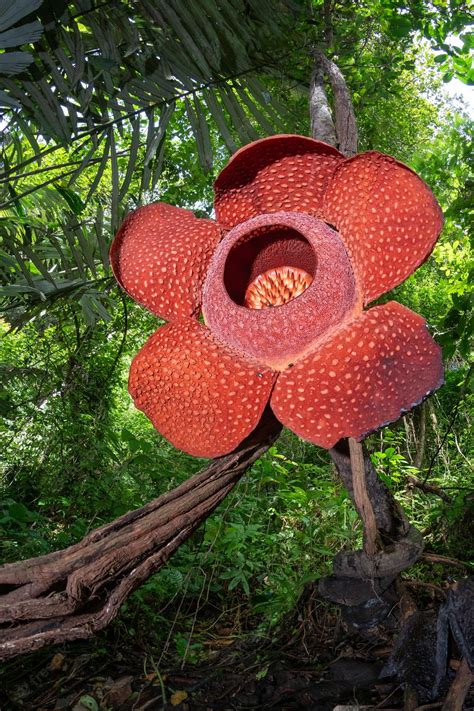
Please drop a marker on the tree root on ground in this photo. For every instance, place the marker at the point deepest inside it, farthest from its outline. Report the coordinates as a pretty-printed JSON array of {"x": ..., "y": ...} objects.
[{"x": 73, "y": 593}]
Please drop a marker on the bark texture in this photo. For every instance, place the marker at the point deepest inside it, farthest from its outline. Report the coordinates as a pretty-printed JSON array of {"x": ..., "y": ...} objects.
[
  {"x": 346, "y": 126},
  {"x": 321, "y": 121},
  {"x": 361, "y": 498},
  {"x": 338, "y": 129},
  {"x": 402, "y": 543},
  {"x": 73, "y": 593}
]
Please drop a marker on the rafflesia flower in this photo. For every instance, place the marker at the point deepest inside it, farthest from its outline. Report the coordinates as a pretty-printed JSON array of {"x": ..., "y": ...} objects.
[{"x": 303, "y": 240}]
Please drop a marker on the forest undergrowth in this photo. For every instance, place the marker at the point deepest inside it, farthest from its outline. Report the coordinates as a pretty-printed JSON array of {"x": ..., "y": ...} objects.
[{"x": 234, "y": 619}]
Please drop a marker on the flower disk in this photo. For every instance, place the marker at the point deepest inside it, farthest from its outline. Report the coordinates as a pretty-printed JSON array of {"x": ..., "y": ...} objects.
[{"x": 278, "y": 336}]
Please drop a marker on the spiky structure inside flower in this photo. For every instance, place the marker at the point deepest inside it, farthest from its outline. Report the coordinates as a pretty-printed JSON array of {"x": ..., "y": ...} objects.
[
  {"x": 303, "y": 240},
  {"x": 276, "y": 287}
]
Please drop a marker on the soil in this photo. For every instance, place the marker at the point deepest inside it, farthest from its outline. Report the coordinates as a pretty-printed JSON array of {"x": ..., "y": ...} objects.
[{"x": 310, "y": 663}]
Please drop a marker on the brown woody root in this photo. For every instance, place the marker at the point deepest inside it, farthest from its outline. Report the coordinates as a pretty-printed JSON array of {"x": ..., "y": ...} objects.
[
  {"x": 361, "y": 497},
  {"x": 73, "y": 593},
  {"x": 459, "y": 689},
  {"x": 402, "y": 543}
]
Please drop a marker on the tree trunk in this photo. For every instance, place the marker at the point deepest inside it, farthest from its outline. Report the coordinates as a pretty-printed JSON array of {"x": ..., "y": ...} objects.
[
  {"x": 370, "y": 596},
  {"x": 321, "y": 121}
]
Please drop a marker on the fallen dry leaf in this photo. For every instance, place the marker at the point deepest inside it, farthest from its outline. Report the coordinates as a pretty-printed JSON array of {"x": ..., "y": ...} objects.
[{"x": 178, "y": 697}]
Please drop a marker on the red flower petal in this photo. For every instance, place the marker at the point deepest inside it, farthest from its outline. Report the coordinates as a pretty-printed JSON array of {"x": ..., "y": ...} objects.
[
  {"x": 279, "y": 173},
  {"x": 387, "y": 216},
  {"x": 197, "y": 392},
  {"x": 160, "y": 257},
  {"x": 363, "y": 377}
]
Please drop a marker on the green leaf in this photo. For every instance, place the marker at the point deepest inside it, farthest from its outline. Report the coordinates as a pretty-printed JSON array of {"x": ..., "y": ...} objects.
[
  {"x": 103, "y": 63},
  {"x": 102, "y": 241},
  {"x": 29, "y": 134},
  {"x": 272, "y": 105},
  {"x": 155, "y": 140},
  {"x": 190, "y": 46},
  {"x": 7, "y": 100},
  {"x": 48, "y": 110},
  {"x": 72, "y": 199},
  {"x": 89, "y": 703},
  {"x": 195, "y": 20},
  {"x": 86, "y": 248},
  {"x": 85, "y": 162},
  {"x": 115, "y": 217},
  {"x": 100, "y": 169},
  {"x": 219, "y": 117},
  {"x": 242, "y": 125},
  {"x": 260, "y": 117},
  {"x": 19, "y": 512},
  {"x": 36, "y": 260},
  {"x": 401, "y": 26},
  {"x": 79, "y": 258},
  {"x": 132, "y": 158},
  {"x": 200, "y": 131},
  {"x": 26, "y": 34},
  {"x": 14, "y": 62},
  {"x": 13, "y": 10}
]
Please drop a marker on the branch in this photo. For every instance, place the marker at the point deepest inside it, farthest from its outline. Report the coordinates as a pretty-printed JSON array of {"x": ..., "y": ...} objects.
[
  {"x": 71, "y": 594},
  {"x": 391, "y": 521},
  {"x": 459, "y": 688},
  {"x": 363, "y": 582},
  {"x": 328, "y": 29},
  {"x": 403, "y": 544},
  {"x": 342, "y": 131},
  {"x": 361, "y": 497},
  {"x": 444, "y": 560},
  {"x": 414, "y": 482},
  {"x": 421, "y": 444},
  {"x": 346, "y": 126}
]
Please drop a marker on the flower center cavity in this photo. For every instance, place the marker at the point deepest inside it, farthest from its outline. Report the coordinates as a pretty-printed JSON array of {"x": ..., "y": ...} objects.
[
  {"x": 269, "y": 266},
  {"x": 291, "y": 262}
]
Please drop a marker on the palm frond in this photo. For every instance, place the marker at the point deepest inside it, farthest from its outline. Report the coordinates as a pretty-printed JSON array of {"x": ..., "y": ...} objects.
[{"x": 90, "y": 109}]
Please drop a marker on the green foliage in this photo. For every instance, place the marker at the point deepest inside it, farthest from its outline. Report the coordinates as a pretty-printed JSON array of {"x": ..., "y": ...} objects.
[
  {"x": 150, "y": 110},
  {"x": 112, "y": 112}
]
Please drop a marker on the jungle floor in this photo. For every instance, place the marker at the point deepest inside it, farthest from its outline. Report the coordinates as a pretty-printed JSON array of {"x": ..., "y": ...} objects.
[{"x": 310, "y": 663}]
